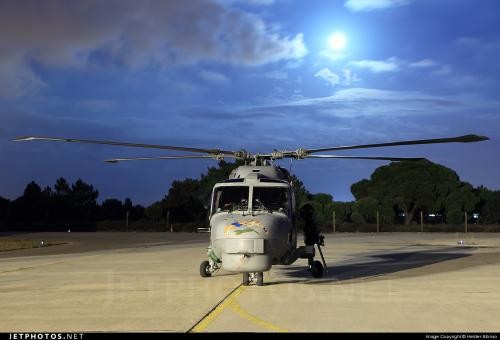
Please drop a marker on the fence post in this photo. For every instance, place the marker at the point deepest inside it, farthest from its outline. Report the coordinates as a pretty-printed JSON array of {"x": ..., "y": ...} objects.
[
  {"x": 334, "y": 221},
  {"x": 378, "y": 227}
]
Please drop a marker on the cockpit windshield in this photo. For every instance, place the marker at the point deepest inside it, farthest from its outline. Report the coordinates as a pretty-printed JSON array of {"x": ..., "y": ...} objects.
[
  {"x": 231, "y": 198},
  {"x": 270, "y": 199}
]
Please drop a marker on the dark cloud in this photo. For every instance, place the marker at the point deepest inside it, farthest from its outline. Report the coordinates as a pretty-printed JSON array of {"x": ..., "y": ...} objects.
[{"x": 131, "y": 34}]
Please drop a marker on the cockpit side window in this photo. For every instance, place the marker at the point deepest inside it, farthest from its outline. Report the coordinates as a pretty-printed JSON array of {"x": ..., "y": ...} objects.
[
  {"x": 230, "y": 198},
  {"x": 270, "y": 199}
]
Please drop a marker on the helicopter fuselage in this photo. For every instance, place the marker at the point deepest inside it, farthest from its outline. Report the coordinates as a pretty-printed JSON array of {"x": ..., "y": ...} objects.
[{"x": 252, "y": 220}]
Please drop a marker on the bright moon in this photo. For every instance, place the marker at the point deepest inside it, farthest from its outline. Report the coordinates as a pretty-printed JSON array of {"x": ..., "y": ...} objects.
[{"x": 337, "y": 41}]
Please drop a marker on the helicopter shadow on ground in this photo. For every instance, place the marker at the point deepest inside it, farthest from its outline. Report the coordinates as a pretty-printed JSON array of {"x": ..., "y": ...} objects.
[{"x": 373, "y": 265}]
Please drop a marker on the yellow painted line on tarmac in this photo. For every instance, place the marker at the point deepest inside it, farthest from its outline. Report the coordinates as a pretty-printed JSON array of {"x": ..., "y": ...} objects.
[
  {"x": 207, "y": 320},
  {"x": 258, "y": 321},
  {"x": 231, "y": 303}
]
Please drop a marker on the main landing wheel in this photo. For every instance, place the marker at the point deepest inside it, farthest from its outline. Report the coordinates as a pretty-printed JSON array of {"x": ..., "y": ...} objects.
[
  {"x": 205, "y": 269},
  {"x": 317, "y": 269}
]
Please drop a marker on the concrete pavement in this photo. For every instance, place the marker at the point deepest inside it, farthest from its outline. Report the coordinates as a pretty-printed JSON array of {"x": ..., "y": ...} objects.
[{"x": 150, "y": 282}]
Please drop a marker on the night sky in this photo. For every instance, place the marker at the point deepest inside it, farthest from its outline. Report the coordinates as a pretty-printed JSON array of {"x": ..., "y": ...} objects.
[{"x": 253, "y": 74}]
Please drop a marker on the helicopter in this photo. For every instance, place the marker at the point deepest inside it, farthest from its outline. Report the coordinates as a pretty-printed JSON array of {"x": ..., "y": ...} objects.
[{"x": 253, "y": 214}]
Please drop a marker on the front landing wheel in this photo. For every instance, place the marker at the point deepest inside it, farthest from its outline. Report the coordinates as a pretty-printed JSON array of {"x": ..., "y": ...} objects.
[
  {"x": 260, "y": 279},
  {"x": 246, "y": 279},
  {"x": 205, "y": 269}
]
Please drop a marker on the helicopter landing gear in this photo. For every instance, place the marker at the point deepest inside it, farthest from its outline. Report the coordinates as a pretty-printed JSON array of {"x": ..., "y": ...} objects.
[
  {"x": 260, "y": 279},
  {"x": 316, "y": 269},
  {"x": 312, "y": 237},
  {"x": 207, "y": 268},
  {"x": 257, "y": 277}
]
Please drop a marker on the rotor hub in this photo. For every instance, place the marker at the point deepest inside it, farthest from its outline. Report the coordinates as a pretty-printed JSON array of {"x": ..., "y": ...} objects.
[
  {"x": 301, "y": 153},
  {"x": 242, "y": 155},
  {"x": 277, "y": 155}
]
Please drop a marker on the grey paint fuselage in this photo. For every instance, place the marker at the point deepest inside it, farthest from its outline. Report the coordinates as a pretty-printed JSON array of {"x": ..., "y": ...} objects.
[{"x": 252, "y": 240}]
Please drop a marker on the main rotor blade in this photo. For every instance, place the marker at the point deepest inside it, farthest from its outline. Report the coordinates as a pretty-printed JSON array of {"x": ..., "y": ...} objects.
[
  {"x": 149, "y": 146},
  {"x": 460, "y": 139},
  {"x": 363, "y": 157},
  {"x": 116, "y": 160}
]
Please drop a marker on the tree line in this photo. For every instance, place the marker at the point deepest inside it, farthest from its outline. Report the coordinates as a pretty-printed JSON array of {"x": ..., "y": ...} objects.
[
  {"x": 399, "y": 193},
  {"x": 405, "y": 192},
  {"x": 63, "y": 207}
]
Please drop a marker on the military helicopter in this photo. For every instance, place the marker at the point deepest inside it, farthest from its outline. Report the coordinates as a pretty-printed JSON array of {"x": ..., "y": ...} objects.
[{"x": 253, "y": 213}]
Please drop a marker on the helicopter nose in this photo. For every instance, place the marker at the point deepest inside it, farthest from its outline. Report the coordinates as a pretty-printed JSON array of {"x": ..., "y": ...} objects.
[
  {"x": 245, "y": 255},
  {"x": 249, "y": 243},
  {"x": 250, "y": 263},
  {"x": 244, "y": 246}
]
